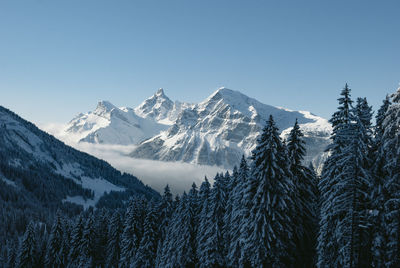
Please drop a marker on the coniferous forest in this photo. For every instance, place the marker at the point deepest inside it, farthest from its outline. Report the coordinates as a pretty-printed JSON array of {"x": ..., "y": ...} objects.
[{"x": 272, "y": 210}]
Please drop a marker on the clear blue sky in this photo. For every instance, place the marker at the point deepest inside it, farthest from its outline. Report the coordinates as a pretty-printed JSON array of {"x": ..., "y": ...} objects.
[{"x": 58, "y": 58}]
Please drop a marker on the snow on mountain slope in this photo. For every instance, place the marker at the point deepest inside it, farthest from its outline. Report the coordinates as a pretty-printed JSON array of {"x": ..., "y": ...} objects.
[
  {"x": 160, "y": 108},
  {"x": 54, "y": 168},
  {"x": 220, "y": 129},
  {"x": 108, "y": 124}
]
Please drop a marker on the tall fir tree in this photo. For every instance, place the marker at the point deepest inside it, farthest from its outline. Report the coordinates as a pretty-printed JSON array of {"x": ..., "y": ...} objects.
[
  {"x": 166, "y": 208},
  {"x": 391, "y": 150},
  {"x": 147, "y": 250},
  {"x": 305, "y": 200},
  {"x": 204, "y": 207},
  {"x": 349, "y": 181},
  {"x": 213, "y": 249},
  {"x": 27, "y": 250},
  {"x": 76, "y": 240},
  {"x": 237, "y": 213},
  {"x": 54, "y": 250},
  {"x": 87, "y": 245},
  {"x": 133, "y": 230},
  {"x": 327, "y": 245},
  {"x": 378, "y": 195},
  {"x": 113, "y": 244},
  {"x": 271, "y": 236}
]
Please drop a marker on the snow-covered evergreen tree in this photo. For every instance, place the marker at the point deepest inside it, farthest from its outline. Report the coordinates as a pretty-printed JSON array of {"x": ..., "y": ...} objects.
[
  {"x": 27, "y": 250},
  {"x": 271, "y": 237},
  {"x": 76, "y": 240},
  {"x": 54, "y": 250},
  {"x": 235, "y": 245},
  {"x": 204, "y": 204},
  {"x": 87, "y": 245},
  {"x": 100, "y": 242},
  {"x": 305, "y": 200},
  {"x": 378, "y": 195},
  {"x": 212, "y": 254},
  {"x": 344, "y": 213},
  {"x": 113, "y": 244},
  {"x": 146, "y": 253},
  {"x": 166, "y": 208},
  {"x": 391, "y": 149},
  {"x": 327, "y": 242},
  {"x": 133, "y": 230}
]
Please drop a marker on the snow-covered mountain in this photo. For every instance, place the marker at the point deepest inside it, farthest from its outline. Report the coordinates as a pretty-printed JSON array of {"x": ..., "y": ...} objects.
[
  {"x": 112, "y": 125},
  {"x": 49, "y": 173},
  {"x": 220, "y": 129},
  {"x": 216, "y": 131}
]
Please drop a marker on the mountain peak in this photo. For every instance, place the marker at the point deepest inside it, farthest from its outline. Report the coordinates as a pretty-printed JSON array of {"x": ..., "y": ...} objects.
[
  {"x": 160, "y": 92},
  {"x": 104, "y": 106}
]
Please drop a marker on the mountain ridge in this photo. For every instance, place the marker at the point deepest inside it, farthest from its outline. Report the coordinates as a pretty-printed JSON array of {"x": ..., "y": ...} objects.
[{"x": 216, "y": 131}]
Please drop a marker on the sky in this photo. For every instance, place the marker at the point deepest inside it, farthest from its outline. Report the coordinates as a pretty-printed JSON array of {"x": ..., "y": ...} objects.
[{"x": 59, "y": 58}]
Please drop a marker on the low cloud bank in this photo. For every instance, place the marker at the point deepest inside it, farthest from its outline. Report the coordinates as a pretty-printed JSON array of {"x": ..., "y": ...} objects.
[{"x": 179, "y": 176}]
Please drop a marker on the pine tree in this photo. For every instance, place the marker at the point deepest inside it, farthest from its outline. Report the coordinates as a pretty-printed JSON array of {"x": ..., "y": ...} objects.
[
  {"x": 237, "y": 213},
  {"x": 204, "y": 202},
  {"x": 378, "y": 195},
  {"x": 169, "y": 252},
  {"x": 212, "y": 254},
  {"x": 305, "y": 200},
  {"x": 100, "y": 241},
  {"x": 27, "y": 250},
  {"x": 54, "y": 253},
  {"x": 166, "y": 208},
  {"x": 113, "y": 244},
  {"x": 186, "y": 241},
  {"x": 327, "y": 246},
  {"x": 391, "y": 149},
  {"x": 133, "y": 230},
  {"x": 146, "y": 254},
  {"x": 346, "y": 205},
  {"x": 270, "y": 240},
  {"x": 87, "y": 245},
  {"x": 76, "y": 239}
]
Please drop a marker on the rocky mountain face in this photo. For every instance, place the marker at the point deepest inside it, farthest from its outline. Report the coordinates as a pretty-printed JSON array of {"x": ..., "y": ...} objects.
[
  {"x": 216, "y": 131},
  {"x": 220, "y": 129}
]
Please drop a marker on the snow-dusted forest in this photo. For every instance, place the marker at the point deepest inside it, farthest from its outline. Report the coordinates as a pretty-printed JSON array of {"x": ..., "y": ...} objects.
[{"x": 271, "y": 211}]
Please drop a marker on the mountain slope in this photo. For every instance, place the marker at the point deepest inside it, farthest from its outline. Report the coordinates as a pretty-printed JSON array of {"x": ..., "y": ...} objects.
[
  {"x": 39, "y": 174},
  {"x": 220, "y": 129}
]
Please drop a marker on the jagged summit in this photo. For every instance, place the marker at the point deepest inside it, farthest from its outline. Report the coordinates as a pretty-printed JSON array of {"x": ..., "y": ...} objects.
[{"x": 104, "y": 107}]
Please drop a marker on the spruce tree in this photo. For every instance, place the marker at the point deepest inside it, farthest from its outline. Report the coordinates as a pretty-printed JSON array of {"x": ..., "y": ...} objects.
[
  {"x": 87, "y": 245},
  {"x": 54, "y": 251},
  {"x": 213, "y": 249},
  {"x": 204, "y": 204},
  {"x": 237, "y": 213},
  {"x": 391, "y": 149},
  {"x": 345, "y": 203},
  {"x": 378, "y": 195},
  {"x": 327, "y": 242},
  {"x": 305, "y": 200},
  {"x": 271, "y": 236},
  {"x": 27, "y": 249},
  {"x": 146, "y": 254},
  {"x": 133, "y": 230},
  {"x": 76, "y": 240},
  {"x": 113, "y": 244}
]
